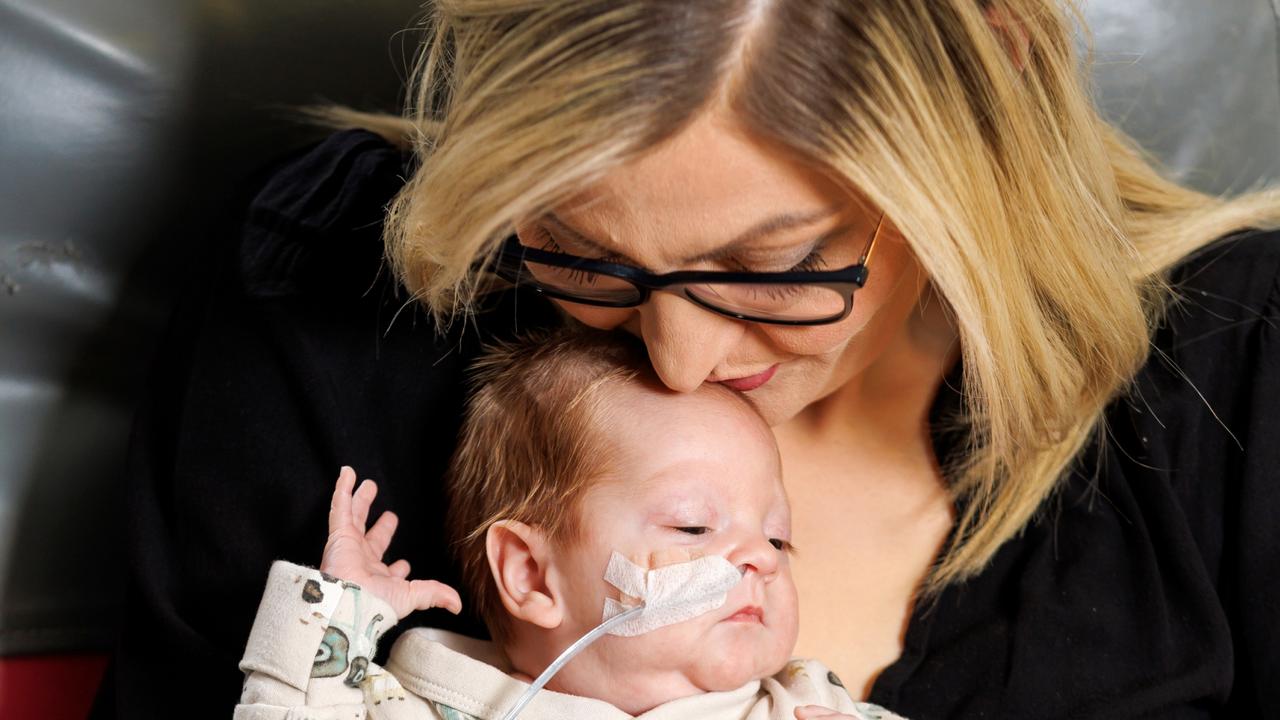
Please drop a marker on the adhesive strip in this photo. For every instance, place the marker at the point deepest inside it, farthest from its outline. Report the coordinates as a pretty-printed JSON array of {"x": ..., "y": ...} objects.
[{"x": 670, "y": 594}]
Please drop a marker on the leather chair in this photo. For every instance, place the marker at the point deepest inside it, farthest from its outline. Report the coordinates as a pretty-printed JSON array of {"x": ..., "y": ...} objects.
[
  {"x": 124, "y": 126},
  {"x": 126, "y": 123}
]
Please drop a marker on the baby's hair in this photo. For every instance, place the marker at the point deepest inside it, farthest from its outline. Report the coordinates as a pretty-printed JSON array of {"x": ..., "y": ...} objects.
[{"x": 532, "y": 442}]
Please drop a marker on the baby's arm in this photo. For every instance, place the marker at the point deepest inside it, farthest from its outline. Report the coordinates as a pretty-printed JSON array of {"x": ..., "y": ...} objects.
[
  {"x": 311, "y": 646},
  {"x": 316, "y": 631}
]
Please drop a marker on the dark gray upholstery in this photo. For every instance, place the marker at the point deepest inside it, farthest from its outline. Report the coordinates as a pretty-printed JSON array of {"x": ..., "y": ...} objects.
[
  {"x": 124, "y": 123},
  {"x": 1197, "y": 82}
]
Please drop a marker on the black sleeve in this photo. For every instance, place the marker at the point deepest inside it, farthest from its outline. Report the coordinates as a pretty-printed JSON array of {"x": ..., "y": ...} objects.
[
  {"x": 1221, "y": 399},
  {"x": 302, "y": 356},
  {"x": 1253, "y": 550}
]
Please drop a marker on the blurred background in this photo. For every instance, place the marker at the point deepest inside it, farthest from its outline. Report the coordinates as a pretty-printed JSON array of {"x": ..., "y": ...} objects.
[{"x": 125, "y": 130}]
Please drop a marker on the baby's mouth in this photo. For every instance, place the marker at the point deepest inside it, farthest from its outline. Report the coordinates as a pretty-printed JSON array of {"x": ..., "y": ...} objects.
[{"x": 748, "y": 614}]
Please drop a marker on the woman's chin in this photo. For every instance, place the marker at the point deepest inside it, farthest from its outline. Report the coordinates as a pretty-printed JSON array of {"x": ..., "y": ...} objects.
[{"x": 777, "y": 405}]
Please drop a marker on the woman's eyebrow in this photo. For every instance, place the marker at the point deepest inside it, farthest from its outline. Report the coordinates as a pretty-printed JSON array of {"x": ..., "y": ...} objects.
[{"x": 765, "y": 228}]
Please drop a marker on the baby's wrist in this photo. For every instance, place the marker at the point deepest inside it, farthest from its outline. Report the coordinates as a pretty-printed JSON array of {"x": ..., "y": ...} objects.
[{"x": 336, "y": 573}]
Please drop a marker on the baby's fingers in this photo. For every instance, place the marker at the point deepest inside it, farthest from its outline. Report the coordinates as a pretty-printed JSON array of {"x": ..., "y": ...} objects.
[
  {"x": 379, "y": 536},
  {"x": 340, "y": 504},
  {"x": 399, "y": 569},
  {"x": 817, "y": 712},
  {"x": 366, "y": 491},
  {"x": 429, "y": 594}
]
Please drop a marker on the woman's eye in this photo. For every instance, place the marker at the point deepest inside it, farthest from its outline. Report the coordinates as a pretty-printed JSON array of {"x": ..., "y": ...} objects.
[
  {"x": 692, "y": 529},
  {"x": 544, "y": 240},
  {"x": 813, "y": 261}
]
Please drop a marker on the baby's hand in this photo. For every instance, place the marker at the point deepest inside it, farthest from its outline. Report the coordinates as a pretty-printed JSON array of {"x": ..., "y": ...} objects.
[
  {"x": 809, "y": 712},
  {"x": 354, "y": 555}
]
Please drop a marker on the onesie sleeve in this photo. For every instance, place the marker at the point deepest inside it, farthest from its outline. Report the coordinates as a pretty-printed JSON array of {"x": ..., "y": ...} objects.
[
  {"x": 809, "y": 682},
  {"x": 311, "y": 647}
]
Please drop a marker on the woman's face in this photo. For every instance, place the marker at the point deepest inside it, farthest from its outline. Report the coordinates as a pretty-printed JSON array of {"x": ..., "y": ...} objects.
[{"x": 712, "y": 198}]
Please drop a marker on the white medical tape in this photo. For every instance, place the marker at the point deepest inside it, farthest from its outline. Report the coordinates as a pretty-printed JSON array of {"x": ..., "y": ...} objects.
[{"x": 670, "y": 594}]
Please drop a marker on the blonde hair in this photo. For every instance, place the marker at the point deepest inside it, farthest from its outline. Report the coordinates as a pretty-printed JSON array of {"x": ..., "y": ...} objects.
[{"x": 1045, "y": 229}]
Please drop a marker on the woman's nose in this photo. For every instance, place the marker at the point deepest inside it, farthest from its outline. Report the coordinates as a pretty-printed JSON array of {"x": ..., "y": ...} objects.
[
  {"x": 756, "y": 555},
  {"x": 685, "y": 342}
]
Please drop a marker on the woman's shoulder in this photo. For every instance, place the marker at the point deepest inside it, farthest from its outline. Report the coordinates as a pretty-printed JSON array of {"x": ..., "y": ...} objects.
[
  {"x": 1220, "y": 335},
  {"x": 315, "y": 218},
  {"x": 1201, "y": 422},
  {"x": 1215, "y": 357},
  {"x": 1160, "y": 543},
  {"x": 1243, "y": 266}
]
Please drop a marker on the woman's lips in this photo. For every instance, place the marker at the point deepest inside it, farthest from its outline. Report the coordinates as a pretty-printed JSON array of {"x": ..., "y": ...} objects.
[{"x": 745, "y": 384}]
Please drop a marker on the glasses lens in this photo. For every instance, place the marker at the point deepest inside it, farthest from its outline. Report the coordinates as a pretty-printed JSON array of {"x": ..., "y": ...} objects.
[
  {"x": 587, "y": 286},
  {"x": 785, "y": 302}
]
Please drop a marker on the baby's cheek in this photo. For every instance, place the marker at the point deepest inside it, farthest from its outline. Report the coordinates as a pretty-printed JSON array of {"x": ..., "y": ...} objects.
[
  {"x": 672, "y": 556},
  {"x": 788, "y": 615},
  {"x": 652, "y": 559}
]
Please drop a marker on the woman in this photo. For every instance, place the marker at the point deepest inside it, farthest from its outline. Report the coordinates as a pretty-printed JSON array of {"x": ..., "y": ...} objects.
[{"x": 1044, "y": 424}]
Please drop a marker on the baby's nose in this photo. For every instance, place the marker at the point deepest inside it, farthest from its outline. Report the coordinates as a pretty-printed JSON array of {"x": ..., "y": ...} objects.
[{"x": 759, "y": 557}]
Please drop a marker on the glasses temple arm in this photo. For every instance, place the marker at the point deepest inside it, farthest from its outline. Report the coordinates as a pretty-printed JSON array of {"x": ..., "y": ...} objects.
[{"x": 871, "y": 246}]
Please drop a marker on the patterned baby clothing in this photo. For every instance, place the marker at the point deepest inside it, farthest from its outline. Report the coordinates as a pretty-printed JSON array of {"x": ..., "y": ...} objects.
[{"x": 310, "y": 657}]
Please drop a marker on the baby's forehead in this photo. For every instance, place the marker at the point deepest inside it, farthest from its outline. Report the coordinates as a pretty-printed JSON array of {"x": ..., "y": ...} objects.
[
  {"x": 651, "y": 404},
  {"x": 687, "y": 446}
]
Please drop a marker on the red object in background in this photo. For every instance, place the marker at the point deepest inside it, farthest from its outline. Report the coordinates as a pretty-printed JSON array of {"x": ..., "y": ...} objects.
[{"x": 49, "y": 687}]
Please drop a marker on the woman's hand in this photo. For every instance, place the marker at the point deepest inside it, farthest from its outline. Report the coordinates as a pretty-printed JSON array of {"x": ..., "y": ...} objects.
[{"x": 354, "y": 555}]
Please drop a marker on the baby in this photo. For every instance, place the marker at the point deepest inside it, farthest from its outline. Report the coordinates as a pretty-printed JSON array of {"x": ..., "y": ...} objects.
[{"x": 577, "y": 478}]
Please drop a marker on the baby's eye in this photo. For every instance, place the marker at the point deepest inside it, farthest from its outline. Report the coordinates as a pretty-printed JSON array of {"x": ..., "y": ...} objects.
[
  {"x": 692, "y": 529},
  {"x": 780, "y": 544}
]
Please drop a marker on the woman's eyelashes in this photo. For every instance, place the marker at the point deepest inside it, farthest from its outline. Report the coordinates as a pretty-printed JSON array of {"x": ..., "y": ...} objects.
[
  {"x": 813, "y": 261},
  {"x": 544, "y": 240}
]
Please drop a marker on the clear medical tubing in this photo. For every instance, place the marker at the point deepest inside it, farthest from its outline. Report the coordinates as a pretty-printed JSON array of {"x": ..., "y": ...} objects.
[{"x": 578, "y": 646}]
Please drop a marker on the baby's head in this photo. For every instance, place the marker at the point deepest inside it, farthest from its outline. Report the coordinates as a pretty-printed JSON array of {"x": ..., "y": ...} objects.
[{"x": 572, "y": 450}]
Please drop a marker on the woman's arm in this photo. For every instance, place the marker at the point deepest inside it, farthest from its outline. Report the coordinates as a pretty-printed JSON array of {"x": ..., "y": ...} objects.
[{"x": 287, "y": 366}]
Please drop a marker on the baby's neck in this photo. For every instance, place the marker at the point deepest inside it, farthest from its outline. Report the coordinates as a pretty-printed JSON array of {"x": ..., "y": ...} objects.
[{"x": 633, "y": 690}]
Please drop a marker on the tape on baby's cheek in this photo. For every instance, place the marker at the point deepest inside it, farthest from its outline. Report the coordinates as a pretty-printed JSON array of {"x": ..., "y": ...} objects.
[{"x": 671, "y": 594}]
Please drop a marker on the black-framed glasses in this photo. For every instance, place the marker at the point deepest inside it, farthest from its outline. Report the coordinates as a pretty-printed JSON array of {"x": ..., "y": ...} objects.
[{"x": 812, "y": 297}]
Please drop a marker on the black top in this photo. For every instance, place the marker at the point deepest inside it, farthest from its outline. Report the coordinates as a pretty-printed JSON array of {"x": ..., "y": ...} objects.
[{"x": 1149, "y": 586}]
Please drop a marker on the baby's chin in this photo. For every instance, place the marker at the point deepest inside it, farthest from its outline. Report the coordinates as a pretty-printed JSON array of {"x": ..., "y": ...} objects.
[
  {"x": 659, "y": 667},
  {"x": 737, "y": 656},
  {"x": 727, "y": 673}
]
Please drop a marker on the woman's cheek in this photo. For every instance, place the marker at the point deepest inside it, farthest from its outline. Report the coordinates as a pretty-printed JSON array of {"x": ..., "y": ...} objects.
[
  {"x": 876, "y": 314},
  {"x": 809, "y": 341}
]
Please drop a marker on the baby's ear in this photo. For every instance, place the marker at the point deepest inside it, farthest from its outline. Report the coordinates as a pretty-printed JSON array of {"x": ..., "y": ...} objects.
[{"x": 519, "y": 560}]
